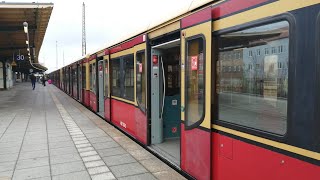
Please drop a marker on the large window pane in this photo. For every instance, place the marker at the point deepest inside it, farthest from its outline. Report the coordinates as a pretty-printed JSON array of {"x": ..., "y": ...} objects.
[
  {"x": 195, "y": 81},
  {"x": 84, "y": 76},
  {"x": 106, "y": 80},
  {"x": 253, "y": 89},
  {"x": 94, "y": 77},
  {"x": 141, "y": 80},
  {"x": 128, "y": 66},
  {"x": 115, "y": 72},
  {"x": 91, "y": 77}
]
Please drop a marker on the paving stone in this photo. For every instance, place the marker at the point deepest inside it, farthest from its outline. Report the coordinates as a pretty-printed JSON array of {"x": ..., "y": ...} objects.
[
  {"x": 61, "y": 144},
  {"x": 155, "y": 165},
  {"x": 94, "y": 164},
  {"x": 64, "y": 150},
  {"x": 65, "y": 168},
  {"x": 127, "y": 169},
  {"x": 6, "y": 175},
  {"x": 83, "y": 145},
  {"x": 33, "y": 154},
  {"x": 171, "y": 174},
  {"x": 27, "y": 148},
  {"x": 111, "y": 151},
  {"x": 85, "y": 149},
  {"x": 104, "y": 176},
  {"x": 64, "y": 158},
  {"x": 91, "y": 158},
  {"x": 7, "y": 166},
  {"x": 105, "y": 145},
  {"x": 9, "y": 150},
  {"x": 98, "y": 170},
  {"x": 82, "y": 175},
  {"x": 34, "y": 162},
  {"x": 146, "y": 176},
  {"x": 88, "y": 153},
  {"x": 81, "y": 142},
  {"x": 119, "y": 159},
  {"x": 31, "y": 173},
  {"x": 100, "y": 139},
  {"x": 8, "y": 157},
  {"x": 141, "y": 154}
]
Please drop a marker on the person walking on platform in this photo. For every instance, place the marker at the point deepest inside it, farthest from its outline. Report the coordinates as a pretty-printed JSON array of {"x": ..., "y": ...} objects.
[
  {"x": 44, "y": 80},
  {"x": 33, "y": 81}
]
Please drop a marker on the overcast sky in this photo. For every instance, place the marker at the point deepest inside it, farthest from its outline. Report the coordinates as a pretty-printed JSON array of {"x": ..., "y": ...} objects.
[{"x": 106, "y": 21}]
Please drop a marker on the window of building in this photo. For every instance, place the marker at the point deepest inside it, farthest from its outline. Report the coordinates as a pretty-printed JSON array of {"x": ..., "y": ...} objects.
[
  {"x": 258, "y": 52},
  {"x": 141, "y": 79},
  {"x": 280, "y": 49},
  {"x": 195, "y": 82},
  {"x": 250, "y": 53},
  {"x": 266, "y": 51},
  {"x": 256, "y": 99},
  {"x": 273, "y": 50}
]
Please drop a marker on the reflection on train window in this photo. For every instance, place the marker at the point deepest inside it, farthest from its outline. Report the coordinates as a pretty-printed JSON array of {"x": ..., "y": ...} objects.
[
  {"x": 84, "y": 77},
  {"x": 115, "y": 72},
  {"x": 195, "y": 81},
  {"x": 141, "y": 79},
  {"x": 255, "y": 97},
  {"x": 91, "y": 77},
  {"x": 106, "y": 80},
  {"x": 128, "y": 66},
  {"x": 94, "y": 77}
]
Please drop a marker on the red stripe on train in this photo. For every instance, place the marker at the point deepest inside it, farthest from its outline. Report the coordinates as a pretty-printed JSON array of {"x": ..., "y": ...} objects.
[{"x": 220, "y": 10}]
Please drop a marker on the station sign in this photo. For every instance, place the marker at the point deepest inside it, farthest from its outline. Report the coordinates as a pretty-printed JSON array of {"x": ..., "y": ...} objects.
[{"x": 20, "y": 57}]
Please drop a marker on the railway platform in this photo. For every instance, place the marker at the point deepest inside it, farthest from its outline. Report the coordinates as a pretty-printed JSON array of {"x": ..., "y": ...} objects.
[{"x": 45, "y": 134}]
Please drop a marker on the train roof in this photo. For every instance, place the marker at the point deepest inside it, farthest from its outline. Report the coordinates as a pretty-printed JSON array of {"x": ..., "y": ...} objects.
[{"x": 155, "y": 23}]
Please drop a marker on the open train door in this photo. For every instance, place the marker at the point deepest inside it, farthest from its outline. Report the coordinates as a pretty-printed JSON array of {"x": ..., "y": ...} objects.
[
  {"x": 107, "y": 92},
  {"x": 196, "y": 94}
]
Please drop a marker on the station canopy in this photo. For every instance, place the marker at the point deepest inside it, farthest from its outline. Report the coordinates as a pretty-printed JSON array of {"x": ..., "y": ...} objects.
[{"x": 14, "y": 48}]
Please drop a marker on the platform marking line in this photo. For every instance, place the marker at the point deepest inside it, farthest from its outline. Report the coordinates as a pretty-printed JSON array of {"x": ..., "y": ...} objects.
[{"x": 96, "y": 167}]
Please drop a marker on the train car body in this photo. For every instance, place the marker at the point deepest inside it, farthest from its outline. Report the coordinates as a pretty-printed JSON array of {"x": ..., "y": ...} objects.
[{"x": 225, "y": 90}]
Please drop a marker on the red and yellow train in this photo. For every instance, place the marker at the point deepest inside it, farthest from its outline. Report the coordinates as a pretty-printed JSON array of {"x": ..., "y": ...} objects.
[{"x": 225, "y": 90}]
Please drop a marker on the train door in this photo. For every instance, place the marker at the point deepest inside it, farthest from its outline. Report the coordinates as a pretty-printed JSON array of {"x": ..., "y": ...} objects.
[
  {"x": 101, "y": 68},
  {"x": 196, "y": 100},
  {"x": 107, "y": 101},
  {"x": 165, "y": 100}
]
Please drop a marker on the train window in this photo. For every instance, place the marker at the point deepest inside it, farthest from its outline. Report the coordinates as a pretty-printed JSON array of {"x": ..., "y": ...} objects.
[
  {"x": 115, "y": 76},
  {"x": 84, "y": 86},
  {"x": 94, "y": 77},
  {"x": 128, "y": 69},
  {"x": 90, "y": 77},
  {"x": 195, "y": 81},
  {"x": 106, "y": 80},
  {"x": 255, "y": 97},
  {"x": 141, "y": 80}
]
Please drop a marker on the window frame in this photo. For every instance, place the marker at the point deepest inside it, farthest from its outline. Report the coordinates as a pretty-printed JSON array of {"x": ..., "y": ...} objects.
[
  {"x": 122, "y": 75},
  {"x": 121, "y": 60},
  {"x": 198, "y": 122},
  {"x": 291, "y": 76},
  {"x": 138, "y": 103}
]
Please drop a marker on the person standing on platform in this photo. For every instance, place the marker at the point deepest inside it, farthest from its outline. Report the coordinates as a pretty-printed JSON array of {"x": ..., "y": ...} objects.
[{"x": 33, "y": 81}]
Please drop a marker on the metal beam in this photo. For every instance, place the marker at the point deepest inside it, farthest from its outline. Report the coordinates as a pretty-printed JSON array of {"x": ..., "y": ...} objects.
[{"x": 15, "y": 28}]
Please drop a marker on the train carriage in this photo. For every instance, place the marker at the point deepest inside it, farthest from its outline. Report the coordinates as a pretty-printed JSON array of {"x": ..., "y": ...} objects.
[{"x": 224, "y": 90}]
